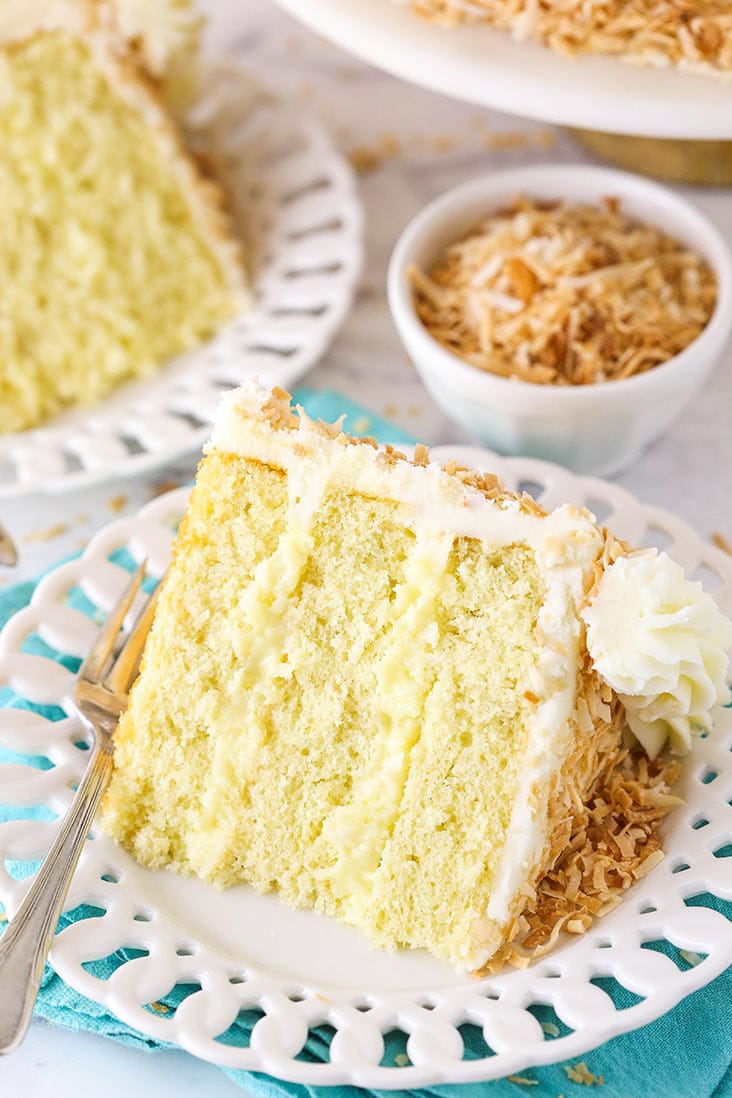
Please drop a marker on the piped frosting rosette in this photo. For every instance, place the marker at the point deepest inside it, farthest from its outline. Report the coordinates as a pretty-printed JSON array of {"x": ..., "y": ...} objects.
[{"x": 661, "y": 642}]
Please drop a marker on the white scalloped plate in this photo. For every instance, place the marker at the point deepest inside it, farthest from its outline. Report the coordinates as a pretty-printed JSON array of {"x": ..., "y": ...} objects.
[
  {"x": 293, "y": 200},
  {"x": 301, "y": 970},
  {"x": 485, "y": 66}
]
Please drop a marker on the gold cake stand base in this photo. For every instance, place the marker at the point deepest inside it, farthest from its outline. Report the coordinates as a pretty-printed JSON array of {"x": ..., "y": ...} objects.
[{"x": 705, "y": 162}]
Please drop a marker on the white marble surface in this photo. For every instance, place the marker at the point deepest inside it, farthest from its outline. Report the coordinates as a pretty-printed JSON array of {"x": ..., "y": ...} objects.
[{"x": 420, "y": 145}]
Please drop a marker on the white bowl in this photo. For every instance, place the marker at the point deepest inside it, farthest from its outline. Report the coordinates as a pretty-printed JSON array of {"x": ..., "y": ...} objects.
[{"x": 596, "y": 429}]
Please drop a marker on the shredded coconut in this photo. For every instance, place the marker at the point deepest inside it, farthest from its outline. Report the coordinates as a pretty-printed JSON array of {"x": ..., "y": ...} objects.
[
  {"x": 565, "y": 294},
  {"x": 693, "y": 34},
  {"x": 721, "y": 543},
  {"x": 580, "y": 1073},
  {"x": 614, "y": 842},
  {"x": 8, "y": 551}
]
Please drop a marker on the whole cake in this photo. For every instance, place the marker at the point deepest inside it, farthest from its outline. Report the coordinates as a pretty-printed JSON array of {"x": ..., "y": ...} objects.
[
  {"x": 114, "y": 250},
  {"x": 386, "y": 688}
]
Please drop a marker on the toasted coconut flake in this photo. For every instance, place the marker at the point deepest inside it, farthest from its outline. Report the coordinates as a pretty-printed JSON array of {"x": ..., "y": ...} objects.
[
  {"x": 648, "y": 864},
  {"x": 570, "y": 295},
  {"x": 8, "y": 551},
  {"x": 277, "y": 412},
  {"x": 721, "y": 543},
  {"x": 607, "y": 852},
  {"x": 580, "y": 1073},
  {"x": 693, "y": 34}
]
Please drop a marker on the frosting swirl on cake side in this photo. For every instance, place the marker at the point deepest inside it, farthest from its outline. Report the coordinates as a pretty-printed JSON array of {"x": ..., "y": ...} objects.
[{"x": 661, "y": 642}]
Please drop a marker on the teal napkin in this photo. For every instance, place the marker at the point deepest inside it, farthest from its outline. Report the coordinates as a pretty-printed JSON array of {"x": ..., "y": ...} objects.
[{"x": 686, "y": 1054}]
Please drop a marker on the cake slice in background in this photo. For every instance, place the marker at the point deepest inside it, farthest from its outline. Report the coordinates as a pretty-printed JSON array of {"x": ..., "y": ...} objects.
[
  {"x": 115, "y": 252},
  {"x": 368, "y": 686}
]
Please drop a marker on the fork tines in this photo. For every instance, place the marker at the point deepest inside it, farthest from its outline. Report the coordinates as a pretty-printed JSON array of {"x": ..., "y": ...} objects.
[{"x": 99, "y": 654}]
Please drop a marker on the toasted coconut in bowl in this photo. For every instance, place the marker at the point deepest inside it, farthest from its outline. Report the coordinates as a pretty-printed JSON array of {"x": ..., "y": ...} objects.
[{"x": 568, "y": 313}]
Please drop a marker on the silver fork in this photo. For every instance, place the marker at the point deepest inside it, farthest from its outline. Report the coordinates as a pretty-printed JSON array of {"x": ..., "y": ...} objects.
[{"x": 101, "y": 695}]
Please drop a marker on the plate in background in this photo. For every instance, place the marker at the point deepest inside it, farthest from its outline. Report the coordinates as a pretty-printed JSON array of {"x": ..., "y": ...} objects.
[{"x": 293, "y": 201}]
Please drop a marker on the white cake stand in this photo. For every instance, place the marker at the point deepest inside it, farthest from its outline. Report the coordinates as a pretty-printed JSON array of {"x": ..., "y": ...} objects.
[{"x": 488, "y": 68}]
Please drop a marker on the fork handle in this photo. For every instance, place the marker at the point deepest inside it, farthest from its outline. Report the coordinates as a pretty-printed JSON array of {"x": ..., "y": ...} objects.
[{"x": 25, "y": 944}]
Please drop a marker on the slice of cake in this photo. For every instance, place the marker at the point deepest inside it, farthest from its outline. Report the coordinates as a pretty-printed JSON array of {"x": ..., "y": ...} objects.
[
  {"x": 114, "y": 251},
  {"x": 368, "y": 684}
]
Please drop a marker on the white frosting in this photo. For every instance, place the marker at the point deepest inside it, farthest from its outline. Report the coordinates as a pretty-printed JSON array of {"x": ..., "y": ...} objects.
[
  {"x": 567, "y": 532},
  {"x": 660, "y": 642}
]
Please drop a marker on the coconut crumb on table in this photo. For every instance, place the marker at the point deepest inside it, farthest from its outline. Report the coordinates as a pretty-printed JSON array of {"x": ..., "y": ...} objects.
[
  {"x": 8, "y": 551},
  {"x": 721, "y": 543},
  {"x": 368, "y": 158},
  {"x": 522, "y": 1081},
  {"x": 565, "y": 294},
  {"x": 693, "y": 34},
  {"x": 505, "y": 140},
  {"x": 48, "y": 534},
  {"x": 580, "y": 1073}
]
